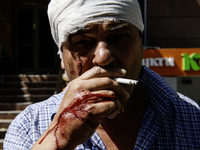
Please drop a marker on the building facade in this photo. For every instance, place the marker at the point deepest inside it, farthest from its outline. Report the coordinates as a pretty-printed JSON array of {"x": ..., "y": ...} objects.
[{"x": 26, "y": 45}]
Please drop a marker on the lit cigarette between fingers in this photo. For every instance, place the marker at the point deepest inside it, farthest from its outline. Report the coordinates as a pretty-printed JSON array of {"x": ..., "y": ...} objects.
[{"x": 126, "y": 81}]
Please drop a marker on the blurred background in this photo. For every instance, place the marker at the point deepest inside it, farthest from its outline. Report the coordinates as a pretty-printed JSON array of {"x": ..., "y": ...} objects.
[{"x": 30, "y": 68}]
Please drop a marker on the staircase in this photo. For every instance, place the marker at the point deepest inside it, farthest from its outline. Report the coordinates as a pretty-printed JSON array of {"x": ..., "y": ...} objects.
[{"x": 19, "y": 91}]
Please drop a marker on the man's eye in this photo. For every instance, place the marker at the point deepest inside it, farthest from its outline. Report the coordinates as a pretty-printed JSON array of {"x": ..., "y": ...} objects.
[
  {"x": 121, "y": 39},
  {"x": 82, "y": 46}
]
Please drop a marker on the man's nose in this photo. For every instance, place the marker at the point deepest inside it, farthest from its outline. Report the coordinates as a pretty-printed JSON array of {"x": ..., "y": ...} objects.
[{"x": 102, "y": 55}]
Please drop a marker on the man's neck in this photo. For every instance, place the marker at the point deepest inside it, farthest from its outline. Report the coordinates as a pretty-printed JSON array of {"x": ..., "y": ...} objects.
[{"x": 123, "y": 130}]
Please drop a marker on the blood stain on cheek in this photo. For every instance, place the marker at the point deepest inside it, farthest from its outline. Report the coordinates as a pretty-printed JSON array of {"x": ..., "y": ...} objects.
[
  {"x": 72, "y": 72},
  {"x": 79, "y": 64},
  {"x": 73, "y": 112}
]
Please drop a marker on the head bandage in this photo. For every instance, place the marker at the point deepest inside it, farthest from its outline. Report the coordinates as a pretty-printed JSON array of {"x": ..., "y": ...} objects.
[{"x": 68, "y": 16}]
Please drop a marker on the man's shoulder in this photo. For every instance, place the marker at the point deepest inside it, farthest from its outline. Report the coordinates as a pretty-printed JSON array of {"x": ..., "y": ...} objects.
[
  {"x": 51, "y": 101},
  {"x": 43, "y": 108},
  {"x": 32, "y": 122},
  {"x": 188, "y": 100},
  {"x": 163, "y": 94}
]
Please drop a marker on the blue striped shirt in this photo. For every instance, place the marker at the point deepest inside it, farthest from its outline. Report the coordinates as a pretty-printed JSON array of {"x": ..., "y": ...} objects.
[{"x": 171, "y": 121}]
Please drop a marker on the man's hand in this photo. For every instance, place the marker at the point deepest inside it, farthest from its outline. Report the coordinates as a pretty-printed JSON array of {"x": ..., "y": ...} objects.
[{"x": 88, "y": 99}]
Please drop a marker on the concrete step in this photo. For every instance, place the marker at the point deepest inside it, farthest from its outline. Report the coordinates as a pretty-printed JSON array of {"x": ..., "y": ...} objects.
[
  {"x": 23, "y": 98},
  {"x": 1, "y": 144},
  {"x": 9, "y": 114},
  {"x": 4, "y": 123},
  {"x": 26, "y": 90},
  {"x": 28, "y": 78},
  {"x": 14, "y": 106},
  {"x": 3, "y": 132},
  {"x": 19, "y": 91},
  {"x": 21, "y": 84}
]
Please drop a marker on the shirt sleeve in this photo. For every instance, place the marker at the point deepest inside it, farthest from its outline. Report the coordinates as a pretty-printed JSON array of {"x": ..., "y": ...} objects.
[{"x": 18, "y": 134}]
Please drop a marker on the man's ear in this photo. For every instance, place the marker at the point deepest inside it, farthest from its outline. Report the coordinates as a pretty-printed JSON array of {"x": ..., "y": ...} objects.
[{"x": 62, "y": 64}]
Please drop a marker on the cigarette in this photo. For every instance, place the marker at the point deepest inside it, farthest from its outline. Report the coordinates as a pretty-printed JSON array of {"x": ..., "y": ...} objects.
[{"x": 126, "y": 81}]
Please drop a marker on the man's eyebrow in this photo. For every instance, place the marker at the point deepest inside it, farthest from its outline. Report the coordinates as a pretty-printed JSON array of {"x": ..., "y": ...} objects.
[
  {"x": 110, "y": 27},
  {"x": 119, "y": 27}
]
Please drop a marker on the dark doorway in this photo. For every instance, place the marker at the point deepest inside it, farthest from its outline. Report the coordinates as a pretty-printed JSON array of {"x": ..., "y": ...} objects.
[{"x": 34, "y": 48}]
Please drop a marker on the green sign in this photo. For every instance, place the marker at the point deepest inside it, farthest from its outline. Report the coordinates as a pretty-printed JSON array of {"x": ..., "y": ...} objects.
[{"x": 191, "y": 62}]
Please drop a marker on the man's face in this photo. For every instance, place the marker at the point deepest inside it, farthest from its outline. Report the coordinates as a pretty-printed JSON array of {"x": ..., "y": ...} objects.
[{"x": 107, "y": 44}]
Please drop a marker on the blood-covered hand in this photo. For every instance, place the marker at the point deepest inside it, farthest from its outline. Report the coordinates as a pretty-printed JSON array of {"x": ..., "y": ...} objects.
[{"x": 88, "y": 99}]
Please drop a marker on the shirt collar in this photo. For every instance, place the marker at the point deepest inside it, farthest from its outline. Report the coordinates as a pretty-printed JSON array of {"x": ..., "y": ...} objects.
[
  {"x": 157, "y": 89},
  {"x": 159, "y": 94}
]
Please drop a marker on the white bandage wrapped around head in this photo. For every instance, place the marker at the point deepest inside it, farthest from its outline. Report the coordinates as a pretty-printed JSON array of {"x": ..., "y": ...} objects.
[{"x": 68, "y": 16}]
